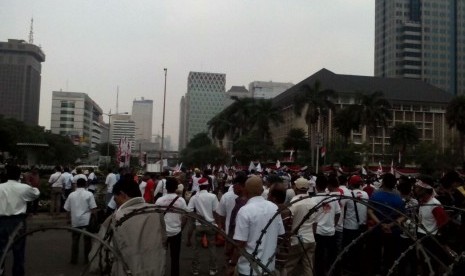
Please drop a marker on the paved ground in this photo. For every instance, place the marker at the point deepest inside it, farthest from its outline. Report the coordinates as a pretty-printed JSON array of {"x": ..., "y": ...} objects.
[{"x": 48, "y": 252}]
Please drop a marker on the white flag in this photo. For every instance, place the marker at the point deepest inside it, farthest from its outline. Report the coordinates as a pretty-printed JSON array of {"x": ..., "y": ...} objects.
[
  {"x": 380, "y": 169},
  {"x": 278, "y": 164},
  {"x": 364, "y": 172},
  {"x": 251, "y": 166},
  {"x": 259, "y": 167},
  {"x": 392, "y": 166}
]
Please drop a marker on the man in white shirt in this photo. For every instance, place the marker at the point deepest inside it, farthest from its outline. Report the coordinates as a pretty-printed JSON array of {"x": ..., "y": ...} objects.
[
  {"x": 324, "y": 226},
  {"x": 67, "y": 181},
  {"x": 110, "y": 181},
  {"x": 92, "y": 181},
  {"x": 56, "y": 192},
  {"x": 13, "y": 204},
  {"x": 80, "y": 204},
  {"x": 195, "y": 180},
  {"x": 79, "y": 175},
  {"x": 204, "y": 204},
  {"x": 174, "y": 222},
  {"x": 354, "y": 221},
  {"x": 302, "y": 245},
  {"x": 251, "y": 219}
]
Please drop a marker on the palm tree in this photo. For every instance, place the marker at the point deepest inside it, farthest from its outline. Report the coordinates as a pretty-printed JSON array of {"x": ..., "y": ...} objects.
[
  {"x": 371, "y": 111},
  {"x": 263, "y": 114},
  {"x": 455, "y": 117},
  {"x": 404, "y": 135},
  {"x": 344, "y": 122},
  {"x": 317, "y": 102},
  {"x": 296, "y": 140}
]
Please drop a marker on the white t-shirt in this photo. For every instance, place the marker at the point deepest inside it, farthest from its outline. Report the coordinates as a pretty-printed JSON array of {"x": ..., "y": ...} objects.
[
  {"x": 250, "y": 221},
  {"x": 79, "y": 176},
  {"x": 142, "y": 186},
  {"x": 265, "y": 192},
  {"x": 299, "y": 210},
  {"x": 80, "y": 203},
  {"x": 66, "y": 180},
  {"x": 326, "y": 214},
  {"x": 350, "y": 218},
  {"x": 172, "y": 220},
  {"x": 204, "y": 203},
  {"x": 345, "y": 192},
  {"x": 225, "y": 207},
  {"x": 110, "y": 182},
  {"x": 161, "y": 187},
  {"x": 195, "y": 183},
  {"x": 91, "y": 177},
  {"x": 14, "y": 197},
  {"x": 426, "y": 217},
  {"x": 55, "y": 180}
]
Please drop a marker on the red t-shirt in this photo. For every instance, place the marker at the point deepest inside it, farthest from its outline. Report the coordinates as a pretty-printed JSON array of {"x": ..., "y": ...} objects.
[{"x": 148, "y": 192}]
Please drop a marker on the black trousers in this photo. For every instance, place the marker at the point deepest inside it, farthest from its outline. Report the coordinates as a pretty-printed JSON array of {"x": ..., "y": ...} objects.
[
  {"x": 8, "y": 225},
  {"x": 175, "y": 251},
  {"x": 325, "y": 253},
  {"x": 75, "y": 246}
]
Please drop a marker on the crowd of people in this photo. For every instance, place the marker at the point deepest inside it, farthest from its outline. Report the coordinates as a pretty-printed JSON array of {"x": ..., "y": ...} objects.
[{"x": 275, "y": 222}]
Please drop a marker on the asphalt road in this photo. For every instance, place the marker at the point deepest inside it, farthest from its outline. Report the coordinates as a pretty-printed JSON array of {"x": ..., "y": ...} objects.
[{"x": 48, "y": 253}]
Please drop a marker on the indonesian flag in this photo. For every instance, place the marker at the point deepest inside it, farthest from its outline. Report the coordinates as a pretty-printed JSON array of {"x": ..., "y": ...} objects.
[
  {"x": 323, "y": 152},
  {"x": 364, "y": 172},
  {"x": 278, "y": 164},
  {"x": 259, "y": 167},
  {"x": 392, "y": 166}
]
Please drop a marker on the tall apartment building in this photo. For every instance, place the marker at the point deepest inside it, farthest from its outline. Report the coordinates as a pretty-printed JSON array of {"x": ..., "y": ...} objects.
[
  {"x": 422, "y": 39},
  {"x": 20, "y": 75},
  {"x": 142, "y": 114},
  {"x": 267, "y": 89},
  {"x": 203, "y": 100},
  {"x": 122, "y": 126},
  {"x": 76, "y": 115}
]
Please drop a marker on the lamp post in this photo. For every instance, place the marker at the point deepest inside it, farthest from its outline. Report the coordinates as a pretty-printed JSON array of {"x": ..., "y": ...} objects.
[
  {"x": 109, "y": 114},
  {"x": 163, "y": 124}
]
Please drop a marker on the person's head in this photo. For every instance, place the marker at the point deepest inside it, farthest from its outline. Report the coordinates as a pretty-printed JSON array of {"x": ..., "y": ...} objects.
[
  {"x": 301, "y": 185},
  {"x": 171, "y": 184},
  {"x": 451, "y": 180},
  {"x": 277, "y": 193},
  {"x": 35, "y": 170},
  {"x": 58, "y": 168},
  {"x": 13, "y": 172},
  {"x": 78, "y": 171},
  {"x": 197, "y": 172},
  {"x": 125, "y": 189},
  {"x": 203, "y": 183},
  {"x": 253, "y": 186},
  {"x": 333, "y": 183},
  {"x": 423, "y": 189},
  {"x": 273, "y": 179},
  {"x": 91, "y": 170},
  {"x": 81, "y": 183},
  {"x": 239, "y": 183},
  {"x": 342, "y": 180},
  {"x": 321, "y": 183},
  {"x": 389, "y": 181},
  {"x": 355, "y": 182},
  {"x": 66, "y": 169},
  {"x": 405, "y": 186}
]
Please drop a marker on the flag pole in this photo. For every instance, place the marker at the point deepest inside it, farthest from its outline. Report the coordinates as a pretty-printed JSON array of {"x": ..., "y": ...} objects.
[{"x": 163, "y": 125}]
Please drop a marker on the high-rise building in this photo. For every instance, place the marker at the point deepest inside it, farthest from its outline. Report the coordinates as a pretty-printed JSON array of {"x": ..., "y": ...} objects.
[
  {"x": 203, "y": 100},
  {"x": 122, "y": 126},
  {"x": 20, "y": 69},
  {"x": 76, "y": 115},
  {"x": 236, "y": 91},
  {"x": 421, "y": 39},
  {"x": 142, "y": 113},
  {"x": 268, "y": 89}
]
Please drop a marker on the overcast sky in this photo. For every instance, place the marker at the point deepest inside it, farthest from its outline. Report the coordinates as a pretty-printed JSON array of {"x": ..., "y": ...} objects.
[{"x": 93, "y": 46}]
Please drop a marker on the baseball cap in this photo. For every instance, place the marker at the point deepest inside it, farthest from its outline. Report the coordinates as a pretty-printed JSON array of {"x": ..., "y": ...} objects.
[
  {"x": 355, "y": 179},
  {"x": 301, "y": 183}
]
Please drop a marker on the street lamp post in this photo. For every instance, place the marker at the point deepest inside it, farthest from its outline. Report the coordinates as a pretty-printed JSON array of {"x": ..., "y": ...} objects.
[
  {"x": 109, "y": 114},
  {"x": 163, "y": 124}
]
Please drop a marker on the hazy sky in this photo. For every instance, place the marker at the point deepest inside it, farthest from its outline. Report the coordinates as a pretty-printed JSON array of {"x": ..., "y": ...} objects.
[{"x": 93, "y": 46}]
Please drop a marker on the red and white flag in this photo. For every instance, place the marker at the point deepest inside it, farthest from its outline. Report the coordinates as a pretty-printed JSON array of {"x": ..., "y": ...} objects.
[
  {"x": 392, "y": 166},
  {"x": 278, "y": 164},
  {"x": 323, "y": 152},
  {"x": 380, "y": 169}
]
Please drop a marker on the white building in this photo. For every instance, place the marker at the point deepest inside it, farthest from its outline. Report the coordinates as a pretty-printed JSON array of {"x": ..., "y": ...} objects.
[
  {"x": 142, "y": 114},
  {"x": 76, "y": 115},
  {"x": 122, "y": 126}
]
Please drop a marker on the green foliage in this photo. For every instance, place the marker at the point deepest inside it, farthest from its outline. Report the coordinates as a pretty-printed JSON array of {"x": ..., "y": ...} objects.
[
  {"x": 200, "y": 151},
  {"x": 252, "y": 147},
  {"x": 404, "y": 135},
  {"x": 297, "y": 140},
  {"x": 60, "y": 151},
  {"x": 455, "y": 117},
  {"x": 347, "y": 155},
  {"x": 345, "y": 120},
  {"x": 372, "y": 110},
  {"x": 432, "y": 161}
]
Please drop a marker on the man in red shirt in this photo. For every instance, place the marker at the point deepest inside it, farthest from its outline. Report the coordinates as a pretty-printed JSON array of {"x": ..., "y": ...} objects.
[{"x": 149, "y": 188}]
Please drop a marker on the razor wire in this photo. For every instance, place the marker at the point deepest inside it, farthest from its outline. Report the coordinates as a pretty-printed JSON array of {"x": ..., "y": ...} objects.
[{"x": 256, "y": 264}]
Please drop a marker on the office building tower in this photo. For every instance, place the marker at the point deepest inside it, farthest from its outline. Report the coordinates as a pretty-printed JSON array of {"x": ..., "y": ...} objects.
[
  {"x": 421, "y": 39},
  {"x": 76, "y": 115},
  {"x": 142, "y": 113},
  {"x": 122, "y": 126},
  {"x": 204, "y": 99},
  {"x": 20, "y": 75},
  {"x": 267, "y": 89}
]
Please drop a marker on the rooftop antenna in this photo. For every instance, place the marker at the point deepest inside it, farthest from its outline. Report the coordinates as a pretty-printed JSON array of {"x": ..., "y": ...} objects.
[{"x": 31, "y": 32}]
